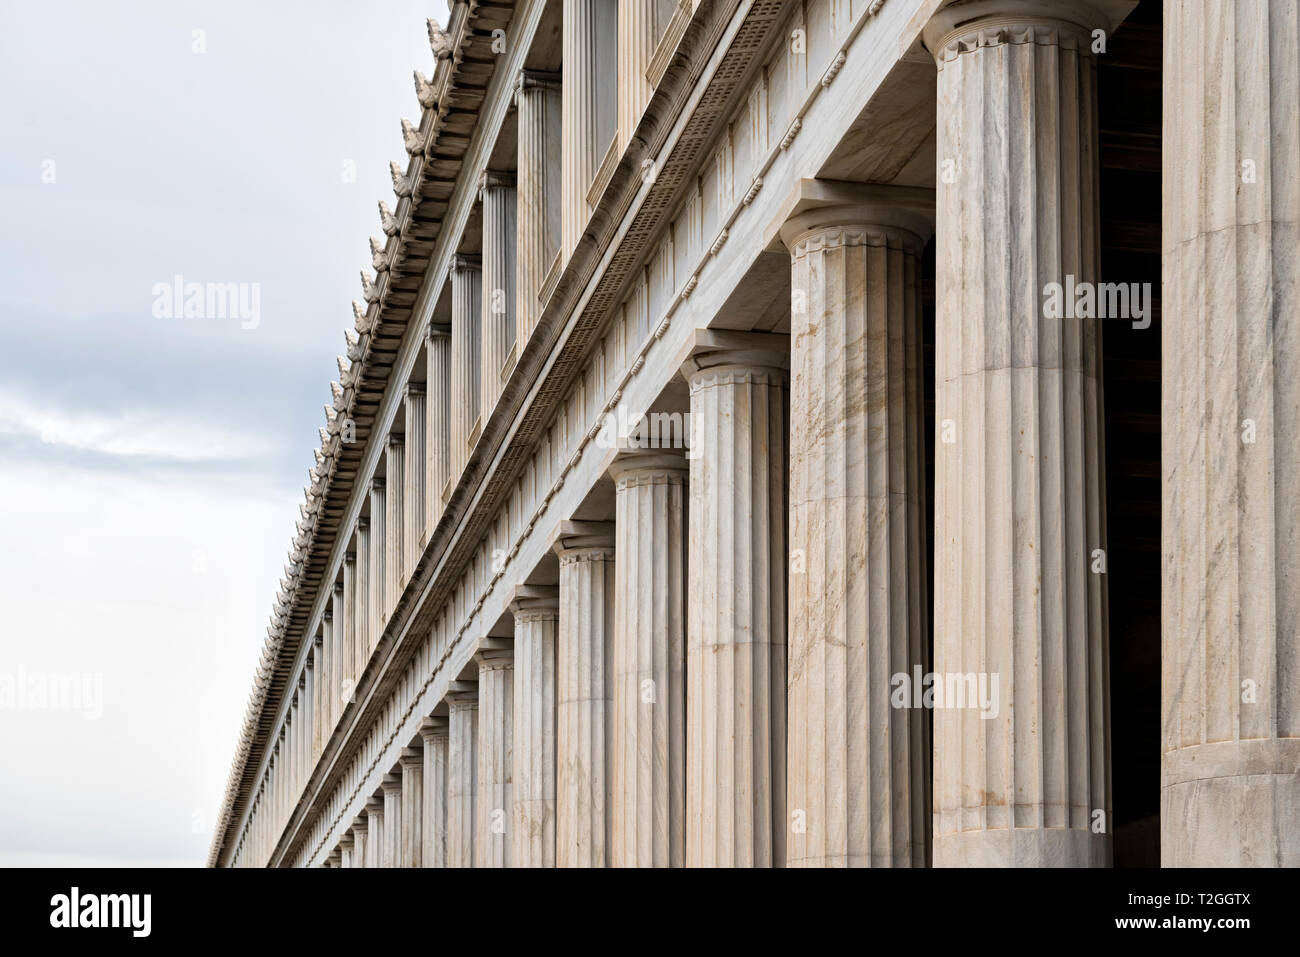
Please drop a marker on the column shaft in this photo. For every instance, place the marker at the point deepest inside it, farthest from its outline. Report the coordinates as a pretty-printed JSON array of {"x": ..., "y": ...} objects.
[
  {"x": 1230, "y": 427},
  {"x": 434, "y": 828},
  {"x": 538, "y": 100},
  {"x": 392, "y": 788},
  {"x": 378, "y": 551},
  {"x": 1019, "y": 501},
  {"x": 648, "y": 696},
  {"x": 532, "y": 824},
  {"x": 857, "y": 757},
  {"x": 498, "y": 323},
  {"x": 462, "y": 776},
  {"x": 589, "y": 106},
  {"x": 495, "y": 744},
  {"x": 361, "y": 607},
  {"x": 582, "y": 701},
  {"x": 394, "y": 547},
  {"x": 412, "y": 850},
  {"x": 417, "y": 471},
  {"x": 735, "y": 658},
  {"x": 466, "y": 318},
  {"x": 440, "y": 413}
]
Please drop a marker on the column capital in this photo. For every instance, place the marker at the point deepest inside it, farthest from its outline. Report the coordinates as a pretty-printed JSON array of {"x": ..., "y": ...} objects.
[
  {"x": 528, "y": 80},
  {"x": 391, "y": 783},
  {"x": 346, "y": 840},
  {"x": 535, "y": 603},
  {"x": 375, "y": 804},
  {"x": 583, "y": 541},
  {"x": 396, "y": 440},
  {"x": 361, "y": 823},
  {"x": 415, "y": 388},
  {"x": 338, "y": 588},
  {"x": 434, "y": 728},
  {"x": 495, "y": 658},
  {"x": 967, "y": 25},
  {"x": 462, "y": 695},
  {"x": 349, "y": 558},
  {"x": 438, "y": 330},
  {"x": 649, "y": 467},
  {"x": 363, "y": 524},
  {"x": 496, "y": 179},
  {"x": 466, "y": 262},
  {"x": 821, "y": 213},
  {"x": 379, "y": 484},
  {"x": 411, "y": 758},
  {"x": 761, "y": 354}
]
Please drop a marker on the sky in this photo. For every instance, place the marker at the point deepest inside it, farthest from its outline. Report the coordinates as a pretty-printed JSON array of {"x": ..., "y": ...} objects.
[{"x": 152, "y": 457}]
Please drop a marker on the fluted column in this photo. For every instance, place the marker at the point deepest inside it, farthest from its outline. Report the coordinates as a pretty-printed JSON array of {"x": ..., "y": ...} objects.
[
  {"x": 640, "y": 25},
  {"x": 394, "y": 547},
  {"x": 1230, "y": 711},
  {"x": 537, "y": 98},
  {"x": 348, "y": 646},
  {"x": 532, "y": 823},
  {"x": 589, "y": 106},
  {"x": 497, "y": 191},
  {"x": 345, "y": 850},
  {"x": 462, "y": 774},
  {"x": 648, "y": 695},
  {"x": 466, "y": 317},
  {"x": 329, "y": 693},
  {"x": 378, "y": 550},
  {"x": 440, "y": 412},
  {"x": 496, "y": 671},
  {"x": 360, "y": 834},
  {"x": 338, "y": 634},
  {"x": 735, "y": 656},
  {"x": 1018, "y": 490},
  {"x": 857, "y": 764},
  {"x": 361, "y": 608},
  {"x": 433, "y": 832},
  {"x": 310, "y": 741},
  {"x": 417, "y": 473},
  {"x": 375, "y": 831},
  {"x": 412, "y": 830},
  {"x": 392, "y": 788},
  {"x": 317, "y": 699},
  {"x": 582, "y": 696}
]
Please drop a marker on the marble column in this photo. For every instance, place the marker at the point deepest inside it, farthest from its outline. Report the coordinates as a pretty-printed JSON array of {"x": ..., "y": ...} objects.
[
  {"x": 329, "y": 672},
  {"x": 392, "y": 844},
  {"x": 417, "y": 471},
  {"x": 338, "y": 633},
  {"x": 648, "y": 695},
  {"x": 375, "y": 831},
  {"x": 736, "y": 627},
  {"x": 361, "y": 606},
  {"x": 537, "y": 98},
  {"x": 348, "y": 647},
  {"x": 462, "y": 774},
  {"x": 360, "y": 833},
  {"x": 857, "y": 762},
  {"x": 1230, "y": 709},
  {"x": 345, "y": 850},
  {"x": 303, "y": 722},
  {"x": 466, "y": 317},
  {"x": 412, "y": 836},
  {"x": 497, "y": 192},
  {"x": 589, "y": 106},
  {"x": 433, "y": 831},
  {"x": 496, "y": 672},
  {"x": 583, "y": 680},
  {"x": 641, "y": 24},
  {"x": 395, "y": 501},
  {"x": 532, "y": 824},
  {"x": 440, "y": 412},
  {"x": 317, "y": 694},
  {"x": 378, "y": 550},
  {"x": 1019, "y": 498}
]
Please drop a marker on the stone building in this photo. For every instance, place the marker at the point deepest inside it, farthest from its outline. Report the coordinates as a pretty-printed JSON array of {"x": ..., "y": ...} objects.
[{"x": 758, "y": 445}]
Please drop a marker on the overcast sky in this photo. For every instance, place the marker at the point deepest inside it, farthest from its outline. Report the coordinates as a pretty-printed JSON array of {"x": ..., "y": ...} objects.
[{"x": 151, "y": 468}]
